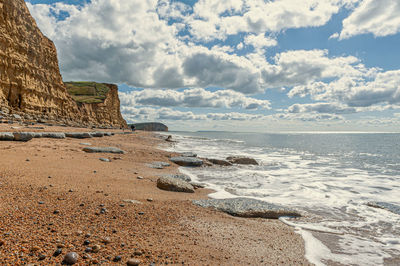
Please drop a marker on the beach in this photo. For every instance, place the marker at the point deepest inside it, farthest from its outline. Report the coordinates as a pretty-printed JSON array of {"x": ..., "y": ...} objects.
[{"x": 55, "y": 196}]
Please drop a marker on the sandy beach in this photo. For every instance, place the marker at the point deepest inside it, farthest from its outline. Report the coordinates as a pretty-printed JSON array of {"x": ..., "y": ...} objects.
[{"x": 55, "y": 196}]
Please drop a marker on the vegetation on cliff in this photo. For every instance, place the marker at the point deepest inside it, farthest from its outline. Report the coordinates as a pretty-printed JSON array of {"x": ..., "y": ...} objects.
[{"x": 87, "y": 91}]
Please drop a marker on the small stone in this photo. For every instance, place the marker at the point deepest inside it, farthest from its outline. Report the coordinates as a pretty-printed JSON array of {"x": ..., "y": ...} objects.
[
  {"x": 141, "y": 213},
  {"x": 56, "y": 212},
  {"x": 57, "y": 252},
  {"x": 42, "y": 257},
  {"x": 122, "y": 205},
  {"x": 87, "y": 257},
  {"x": 133, "y": 262},
  {"x": 103, "y": 210},
  {"x": 35, "y": 248},
  {"x": 149, "y": 199},
  {"x": 106, "y": 240},
  {"x": 140, "y": 177},
  {"x": 117, "y": 259},
  {"x": 88, "y": 235},
  {"x": 88, "y": 250},
  {"x": 71, "y": 190},
  {"x": 49, "y": 176},
  {"x": 60, "y": 245},
  {"x": 79, "y": 232},
  {"x": 105, "y": 160},
  {"x": 86, "y": 242},
  {"x": 82, "y": 204},
  {"x": 1, "y": 242},
  {"x": 71, "y": 258},
  {"x": 114, "y": 231},
  {"x": 41, "y": 202},
  {"x": 96, "y": 248},
  {"x": 138, "y": 253}
]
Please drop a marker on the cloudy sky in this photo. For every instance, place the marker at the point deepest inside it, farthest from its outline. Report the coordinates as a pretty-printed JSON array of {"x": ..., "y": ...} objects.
[{"x": 241, "y": 65}]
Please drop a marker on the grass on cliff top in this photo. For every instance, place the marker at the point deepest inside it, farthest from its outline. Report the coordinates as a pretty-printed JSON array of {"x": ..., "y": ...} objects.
[{"x": 87, "y": 92}]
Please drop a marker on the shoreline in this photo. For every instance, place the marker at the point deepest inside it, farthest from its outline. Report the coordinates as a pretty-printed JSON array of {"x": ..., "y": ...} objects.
[{"x": 53, "y": 195}]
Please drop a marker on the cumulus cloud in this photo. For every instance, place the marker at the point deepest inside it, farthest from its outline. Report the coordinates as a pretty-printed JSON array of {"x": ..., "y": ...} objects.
[
  {"x": 133, "y": 114},
  {"x": 324, "y": 108},
  {"x": 192, "y": 98},
  {"x": 215, "y": 19},
  {"x": 382, "y": 88},
  {"x": 381, "y": 18}
]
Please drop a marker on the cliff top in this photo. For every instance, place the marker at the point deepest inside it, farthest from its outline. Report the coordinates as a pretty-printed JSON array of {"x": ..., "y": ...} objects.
[{"x": 87, "y": 91}]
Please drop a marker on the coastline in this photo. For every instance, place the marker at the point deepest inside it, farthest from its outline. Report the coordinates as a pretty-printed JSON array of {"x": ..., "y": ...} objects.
[{"x": 40, "y": 213}]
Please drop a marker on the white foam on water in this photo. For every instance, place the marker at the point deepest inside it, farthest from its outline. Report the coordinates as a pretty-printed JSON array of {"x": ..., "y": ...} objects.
[{"x": 333, "y": 192}]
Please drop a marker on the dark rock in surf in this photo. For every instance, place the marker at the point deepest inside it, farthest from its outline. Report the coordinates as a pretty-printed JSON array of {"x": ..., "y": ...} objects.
[
  {"x": 220, "y": 162},
  {"x": 187, "y": 161},
  {"x": 249, "y": 208},
  {"x": 385, "y": 205},
  {"x": 242, "y": 160},
  {"x": 188, "y": 154}
]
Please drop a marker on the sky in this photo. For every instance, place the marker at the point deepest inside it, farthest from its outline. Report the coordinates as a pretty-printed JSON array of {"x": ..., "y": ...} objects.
[{"x": 236, "y": 65}]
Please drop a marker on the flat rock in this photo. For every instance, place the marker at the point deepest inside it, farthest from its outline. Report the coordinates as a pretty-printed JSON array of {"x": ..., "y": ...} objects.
[
  {"x": 23, "y": 136},
  {"x": 249, "y": 208},
  {"x": 158, "y": 165},
  {"x": 242, "y": 160},
  {"x": 53, "y": 135},
  {"x": 97, "y": 134},
  {"x": 174, "y": 184},
  {"x": 105, "y": 160},
  {"x": 183, "y": 177},
  {"x": 385, "y": 205},
  {"x": 78, "y": 135},
  {"x": 188, "y": 154},
  {"x": 220, "y": 162},
  {"x": 132, "y": 201},
  {"x": 187, "y": 161},
  {"x": 103, "y": 150},
  {"x": 6, "y": 136}
]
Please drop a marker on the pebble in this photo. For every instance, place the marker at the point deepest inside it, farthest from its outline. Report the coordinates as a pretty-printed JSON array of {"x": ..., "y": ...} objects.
[
  {"x": 106, "y": 240},
  {"x": 57, "y": 252},
  {"x": 56, "y": 212},
  {"x": 122, "y": 205},
  {"x": 96, "y": 248},
  {"x": 1, "y": 242},
  {"x": 149, "y": 199},
  {"x": 140, "y": 177},
  {"x": 88, "y": 250},
  {"x": 87, "y": 257},
  {"x": 41, "y": 202},
  {"x": 105, "y": 160},
  {"x": 141, "y": 213},
  {"x": 88, "y": 235},
  {"x": 133, "y": 262},
  {"x": 71, "y": 258},
  {"x": 138, "y": 253},
  {"x": 79, "y": 232},
  {"x": 117, "y": 259},
  {"x": 86, "y": 242},
  {"x": 103, "y": 210}
]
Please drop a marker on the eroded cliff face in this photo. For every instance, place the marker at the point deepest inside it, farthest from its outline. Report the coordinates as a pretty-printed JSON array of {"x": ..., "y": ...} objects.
[
  {"x": 30, "y": 80},
  {"x": 107, "y": 112}
]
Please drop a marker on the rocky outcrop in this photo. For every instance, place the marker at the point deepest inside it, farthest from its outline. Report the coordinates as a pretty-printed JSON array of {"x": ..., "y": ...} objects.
[
  {"x": 241, "y": 160},
  {"x": 153, "y": 126},
  {"x": 174, "y": 184},
  {"x": 187, "y": 161},
  {"x": 249, "y": 208},
  {"x": 30, "y": 80}
]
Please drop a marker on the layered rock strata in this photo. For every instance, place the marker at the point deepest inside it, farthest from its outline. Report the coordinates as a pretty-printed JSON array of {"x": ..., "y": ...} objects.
[{"x": 30, "y": 79}]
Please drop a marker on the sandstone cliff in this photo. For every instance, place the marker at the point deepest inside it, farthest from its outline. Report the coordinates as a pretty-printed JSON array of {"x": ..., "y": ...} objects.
[{"x": 30, "y": 80}]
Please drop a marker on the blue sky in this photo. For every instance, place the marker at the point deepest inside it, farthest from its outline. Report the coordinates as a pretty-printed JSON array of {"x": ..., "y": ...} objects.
[{"x": 247, "y": 65}]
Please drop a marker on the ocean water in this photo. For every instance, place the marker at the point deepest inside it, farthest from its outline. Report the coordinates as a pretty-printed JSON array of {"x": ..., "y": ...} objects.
[{"x": 329, "y": 176}]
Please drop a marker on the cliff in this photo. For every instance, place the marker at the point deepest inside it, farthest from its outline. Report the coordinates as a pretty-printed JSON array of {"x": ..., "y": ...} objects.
[
  {"x": 152, "y": 126},
  {"x": 30, "y": 79}
]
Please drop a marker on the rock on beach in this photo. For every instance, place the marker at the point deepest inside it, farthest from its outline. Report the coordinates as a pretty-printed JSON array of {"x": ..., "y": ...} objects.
[
  {"x": 242, "y": 160},
  {"x": 6, "y": 136},
  {"x": 174, "y": 184},
  {"x": 187, "y": 161},
  {"x": 249, "y": 208},
  {"x": 78, "y": 135},
  {"x": 103, "y": 150}
]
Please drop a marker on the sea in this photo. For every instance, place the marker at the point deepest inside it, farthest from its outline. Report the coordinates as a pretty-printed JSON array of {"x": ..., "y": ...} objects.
[{"x": 330, "y": 177}]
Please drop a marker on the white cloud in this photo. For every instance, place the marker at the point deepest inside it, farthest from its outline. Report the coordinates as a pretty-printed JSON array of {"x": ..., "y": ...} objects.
[
  {"x": 215, "y": 19},
  {"x": 381, "y": 18},
  {"x": 192, "y": 98},
  {"x": 259, "y": 42},
  {"x": 323, "y": 108},
  {"x": 382, "y": 88},
  {"x": 133, "y": 114}
]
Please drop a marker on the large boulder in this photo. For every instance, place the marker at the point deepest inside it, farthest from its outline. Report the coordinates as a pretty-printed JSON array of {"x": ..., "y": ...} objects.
[
  {"x": 241, "y": 160},
  {"x": 249, "y": 208},
  {"x": 78, "y": 135},
  {"x": 23, "y": 136},
  {"x": 174, "y": 184},
  {"x": 183, "y": 177},
  {"x": 220, "y": 162},
  {"x": 187, "y": 161},
  {"x": 6, "y": 136},
  {"x": 53, "y": 135},
  {"x": 97, "y": 134},
  {"x": 103, "y": 150}
]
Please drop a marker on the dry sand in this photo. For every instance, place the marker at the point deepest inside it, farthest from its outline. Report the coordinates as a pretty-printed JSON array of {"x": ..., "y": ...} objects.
[{"x": 42, "y": 176}]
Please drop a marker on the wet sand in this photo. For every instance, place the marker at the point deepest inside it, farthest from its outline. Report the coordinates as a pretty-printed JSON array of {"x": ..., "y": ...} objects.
[{"x": 54, "y": 195}]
